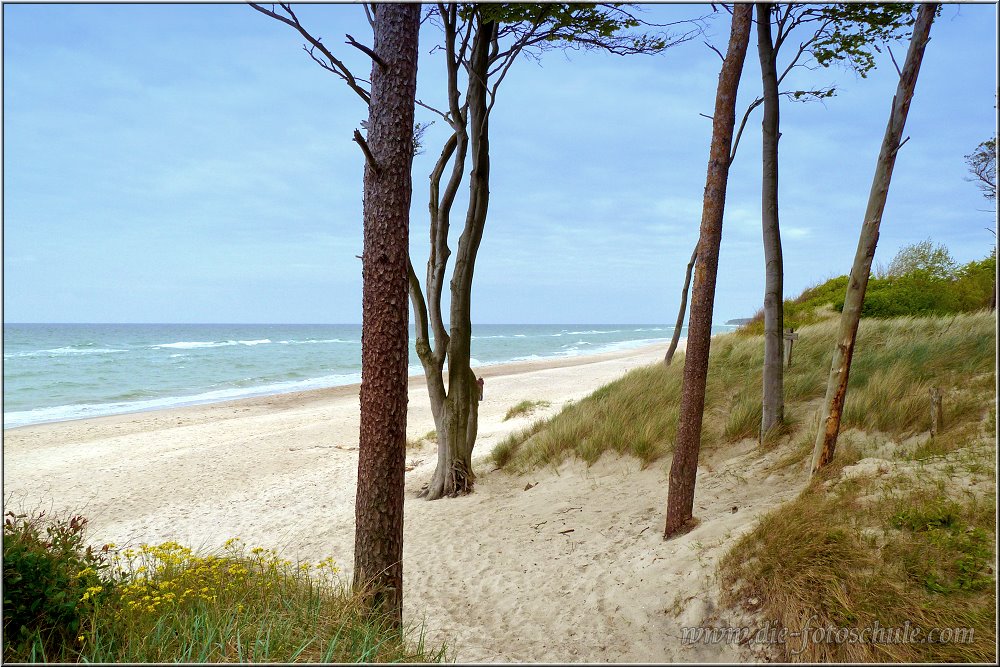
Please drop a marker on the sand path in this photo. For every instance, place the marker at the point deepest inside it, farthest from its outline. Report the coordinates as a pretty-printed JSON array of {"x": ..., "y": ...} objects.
[{"x": 572, "y": 569}]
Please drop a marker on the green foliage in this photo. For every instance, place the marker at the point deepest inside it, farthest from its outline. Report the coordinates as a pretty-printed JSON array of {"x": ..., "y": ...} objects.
[
  {"x": 965, "y": 552},
  {"x": 855, "y": 30},
  {"x": 577, "y": 25},
  {"x": 166, "y": 603},
  {"x": 925, "y": 258},
  {"x": 922, "y": 280},
  {"x": 52, "y": 584}
]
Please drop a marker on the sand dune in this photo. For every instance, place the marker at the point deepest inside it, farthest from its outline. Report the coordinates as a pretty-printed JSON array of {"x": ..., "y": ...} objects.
[{"x": 572, "y": 569}]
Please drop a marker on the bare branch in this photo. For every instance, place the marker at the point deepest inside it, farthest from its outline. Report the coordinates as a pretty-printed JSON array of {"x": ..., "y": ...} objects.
[
  {"x": 443, "y": 115},
  {"x": 371, "y": 54},
  {"x": 746, "y": 116},
  {"x": 369, "y": 158},
  {"x": 717, "y": 52},
  {"x": 333, "y": 64},
  {"x": 705, "y": 115},
  {"x": 894, "y": 63},
  {"x": 368, "y": 14}
]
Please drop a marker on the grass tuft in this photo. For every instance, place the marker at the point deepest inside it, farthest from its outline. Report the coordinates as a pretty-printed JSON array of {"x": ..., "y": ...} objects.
[{"x": 525, "y": 408}]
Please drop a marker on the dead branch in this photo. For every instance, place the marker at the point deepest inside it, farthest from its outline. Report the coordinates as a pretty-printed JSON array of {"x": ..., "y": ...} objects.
[
  {"x": 364, "y": 49},
  {"x": 332, "y": 64},
  {"x": 369, "y": 158}
]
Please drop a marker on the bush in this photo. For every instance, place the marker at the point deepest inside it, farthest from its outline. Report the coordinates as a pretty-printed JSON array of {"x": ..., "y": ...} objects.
[
  {"x": 921, "y": 280},
  {"x": 51, "y": 584}
]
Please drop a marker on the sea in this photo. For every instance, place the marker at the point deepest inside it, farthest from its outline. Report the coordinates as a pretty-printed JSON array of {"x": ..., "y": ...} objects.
[{"x": 57, "y": 372}]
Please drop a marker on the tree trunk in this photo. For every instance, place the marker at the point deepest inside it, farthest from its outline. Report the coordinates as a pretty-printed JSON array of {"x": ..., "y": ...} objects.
[
  {"x": 836, "y": 389},
  {"x": 773, "y": 405},
  {"x": 457, "y": 412},
  {"x": 680, "y": 311},
  {"x": 378, "y": 542},
  {"x": 684, "y": 468}
]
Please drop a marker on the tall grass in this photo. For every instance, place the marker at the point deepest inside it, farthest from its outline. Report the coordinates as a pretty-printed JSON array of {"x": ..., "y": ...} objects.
[
  {"x": 895, "y": 363},
  {"x": 863, "y": 555},
  {"x": 166, "y": 603}
]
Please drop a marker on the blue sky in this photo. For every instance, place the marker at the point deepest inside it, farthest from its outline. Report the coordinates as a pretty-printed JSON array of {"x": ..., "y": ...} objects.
[{"x": 189, "y": 163}]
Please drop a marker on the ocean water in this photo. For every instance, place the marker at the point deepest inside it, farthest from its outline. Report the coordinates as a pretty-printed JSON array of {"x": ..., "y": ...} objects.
[{"x": 55, "y": 372}]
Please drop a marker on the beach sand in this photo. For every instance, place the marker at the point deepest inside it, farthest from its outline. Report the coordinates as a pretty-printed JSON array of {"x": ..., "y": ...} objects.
[{"x": 572, "y": 569}]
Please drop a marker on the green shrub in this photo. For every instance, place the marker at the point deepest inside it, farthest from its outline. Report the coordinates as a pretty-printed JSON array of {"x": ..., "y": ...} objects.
[{"x": 52, "y": 584}]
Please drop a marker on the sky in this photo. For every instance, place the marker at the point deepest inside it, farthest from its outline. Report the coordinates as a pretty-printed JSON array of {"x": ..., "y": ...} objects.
[{"x": 190, "y": 163}]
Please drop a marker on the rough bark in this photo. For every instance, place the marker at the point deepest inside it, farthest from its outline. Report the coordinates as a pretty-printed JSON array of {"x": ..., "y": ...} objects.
[
  {"x": 378, "y": 543},
  {"x": 683, "y": 470},
  {"x": 679, "y": 324},
  {"x": 773, "y": 405},
  {"x": 836, "y": 389}
]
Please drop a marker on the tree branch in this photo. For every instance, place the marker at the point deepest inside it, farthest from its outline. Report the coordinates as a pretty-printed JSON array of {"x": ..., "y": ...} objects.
[
  {"x": 369, "y": 158},
  {"x": 371, "y": 54},
  {"x": 717, "y": 52},
  {"x": 894, "y": 63},
  {"x": 746, "y": 116},
  {"x": 335, "y": 65}
]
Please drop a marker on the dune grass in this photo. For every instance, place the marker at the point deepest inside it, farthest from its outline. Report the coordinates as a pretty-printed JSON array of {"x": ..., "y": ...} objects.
[
  {"x": 895, "y": 363},
  {"x": 896, "y": 550},
  {"x": 525, "y": 408},
  {"x": 166, "y": 603}
]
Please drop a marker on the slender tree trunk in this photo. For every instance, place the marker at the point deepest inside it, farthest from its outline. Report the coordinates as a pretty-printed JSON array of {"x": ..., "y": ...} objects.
[
  {"x": 836, "y": 389},
  {"x": 773, "y": 405},
  {"x": 457, "y": 412},
  {"x": 683, "y": 309},
  {"x": 378, "y": 542},
  {"x": 684, "y": 468}
]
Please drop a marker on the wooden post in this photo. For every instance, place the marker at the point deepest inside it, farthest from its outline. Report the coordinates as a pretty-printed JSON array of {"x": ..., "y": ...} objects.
[
  {"x": 790, "y": 338},
  {"x": 937, "y": 411}
]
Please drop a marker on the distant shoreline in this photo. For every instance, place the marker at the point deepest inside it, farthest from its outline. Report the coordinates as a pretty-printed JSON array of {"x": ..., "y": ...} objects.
[{"x": 277, "y": 399}]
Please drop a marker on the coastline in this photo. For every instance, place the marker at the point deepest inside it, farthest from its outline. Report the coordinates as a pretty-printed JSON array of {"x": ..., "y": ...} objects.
[
  {"x": 491, "y": 369},
  {"x": 280, "y": 472}
]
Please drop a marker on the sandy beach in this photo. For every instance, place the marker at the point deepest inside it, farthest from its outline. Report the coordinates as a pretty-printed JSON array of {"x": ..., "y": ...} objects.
[{"x": 572, "y": 569}]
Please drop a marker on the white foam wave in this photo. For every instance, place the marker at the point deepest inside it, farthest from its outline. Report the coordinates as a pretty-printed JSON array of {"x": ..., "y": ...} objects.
[
  {"x": 67, "y": 412},
  {"x": 62, "y": 352},
  {"x": 317, "y": 342},
  {"x": 198, "y": 344}
]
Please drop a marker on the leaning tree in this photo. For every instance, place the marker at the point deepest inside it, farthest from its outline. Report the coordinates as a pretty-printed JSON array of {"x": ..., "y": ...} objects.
[
  {"x": 836, "y": 389},
  {"x": 841, "y": 33},
  {"x": 684, "y": 468},
  {"x": 846, "y": 34}
]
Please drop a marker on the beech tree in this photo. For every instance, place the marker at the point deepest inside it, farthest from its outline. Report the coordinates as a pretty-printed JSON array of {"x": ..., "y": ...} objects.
[
  {"x": 388, "y": 151},
  {"x": 836, "y": 389},
  {"x": 840, "y": 33},
  {"x": 684, "y": 468},
  {"x": 483, "y": 41},
  {"x": 983, "y": 167}
]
